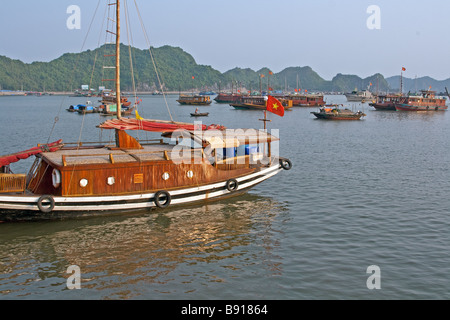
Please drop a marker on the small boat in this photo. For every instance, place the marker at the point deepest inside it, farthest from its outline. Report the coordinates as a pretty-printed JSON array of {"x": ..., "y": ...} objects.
[
  {"x": 194, "y": 100},
  {"x": 333, "y": 112},
  {"x": 83, "y": 108},
  {"x": 199, "y": 114},
  {"x": 427, "y": 101},
  {"x": 87, "y": 109},
  {"x": 359, "y": 96},
  {"x": 73, "y": 108}
]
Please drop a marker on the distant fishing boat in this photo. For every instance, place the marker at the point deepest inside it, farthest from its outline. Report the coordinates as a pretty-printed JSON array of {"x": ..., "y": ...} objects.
[
  {"x": 227, "y": 97},
  {"x": 83, "y": 108},
  {"x": 335, "y": 113},
  {"x": 359, "y": 96},
  {"x": 194, "y": 100},
  {"x": 306, "y": 100},
  {"x": 387, "y": 101},
  {"x": 427, "y": 101},
  {"x": 257, "y": 103}
]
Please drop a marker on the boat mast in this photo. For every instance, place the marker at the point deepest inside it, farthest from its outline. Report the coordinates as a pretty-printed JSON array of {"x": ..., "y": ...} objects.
[{"x": 118, "y": 97}]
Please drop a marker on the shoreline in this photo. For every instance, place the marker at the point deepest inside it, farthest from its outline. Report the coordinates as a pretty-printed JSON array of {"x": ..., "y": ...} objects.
[{"x": 29, "y": 93}]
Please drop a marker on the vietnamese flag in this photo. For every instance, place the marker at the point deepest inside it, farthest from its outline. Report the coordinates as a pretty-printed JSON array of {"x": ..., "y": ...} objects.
[
  {"x": 403, "y": 69},
  {"x": 275, "y": 106}
]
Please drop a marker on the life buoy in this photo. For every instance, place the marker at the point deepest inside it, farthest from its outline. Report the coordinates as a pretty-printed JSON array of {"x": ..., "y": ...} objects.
[
  {"x": 159, "y": 196},
  {"x": 43, "y": 206},
  {"x": 286, "y": 164},
  {"x": 232, "y": 185},
  {"x": 56, "y": 178}
]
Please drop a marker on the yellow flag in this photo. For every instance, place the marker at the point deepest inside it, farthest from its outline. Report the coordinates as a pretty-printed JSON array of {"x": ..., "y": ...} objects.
[{"x": 138, "y": 116}]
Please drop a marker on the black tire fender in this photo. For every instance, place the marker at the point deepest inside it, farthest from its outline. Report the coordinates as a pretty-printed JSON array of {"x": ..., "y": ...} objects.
[
  {"x": 159, "y": 195},
  {"x": 43, "y": 207},
  {"x": 232, "y": 185},
  {"x": 286, "y": 164}
]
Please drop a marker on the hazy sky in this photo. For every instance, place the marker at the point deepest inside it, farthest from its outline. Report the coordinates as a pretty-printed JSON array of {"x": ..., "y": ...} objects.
[{"x": 331, "y": 36}]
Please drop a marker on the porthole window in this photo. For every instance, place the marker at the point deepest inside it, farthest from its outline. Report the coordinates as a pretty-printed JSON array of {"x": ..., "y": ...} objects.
[
  {"x": 166, "y": 176},
  {"x": 190, "y": 174},
  {"x": 111, "y": 181},
  {"x": 83, "y": 183}
]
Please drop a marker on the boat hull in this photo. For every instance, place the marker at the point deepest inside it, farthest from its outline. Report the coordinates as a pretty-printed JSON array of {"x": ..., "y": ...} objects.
[
  {"x": 407, "y": 107},
  {"x": 24, "y": 204},
  {"x": 338, "y": 116},
  {"x": 200, "y": 114},
  {"x": 383, "y": 106}
]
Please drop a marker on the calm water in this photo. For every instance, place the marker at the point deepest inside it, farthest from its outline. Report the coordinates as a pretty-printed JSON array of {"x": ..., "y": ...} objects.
[{"x": 361, "y": 193}]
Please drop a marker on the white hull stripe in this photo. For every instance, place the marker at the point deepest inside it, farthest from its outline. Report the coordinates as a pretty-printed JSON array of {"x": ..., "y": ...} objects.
[{"x": 136, "y": 201}]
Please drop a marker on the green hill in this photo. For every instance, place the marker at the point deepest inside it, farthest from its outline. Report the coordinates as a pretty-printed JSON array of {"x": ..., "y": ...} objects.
[
  {"x": 176, "y": 70},
  {"x": 67, "y": 73}
]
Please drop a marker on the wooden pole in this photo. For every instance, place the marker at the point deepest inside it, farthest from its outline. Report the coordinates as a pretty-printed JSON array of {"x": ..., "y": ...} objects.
[{"x": 118, "y": 95}]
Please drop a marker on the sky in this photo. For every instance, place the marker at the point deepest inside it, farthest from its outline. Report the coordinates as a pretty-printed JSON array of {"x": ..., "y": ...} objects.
[{"x": 330, "y": 36}]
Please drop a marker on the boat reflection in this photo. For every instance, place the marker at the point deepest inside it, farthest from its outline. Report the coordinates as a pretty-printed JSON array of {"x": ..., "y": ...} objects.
[{"x": 153, "y": 249}]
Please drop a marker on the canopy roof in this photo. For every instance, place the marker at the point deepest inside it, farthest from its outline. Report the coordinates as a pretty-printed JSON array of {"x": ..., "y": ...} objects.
[
  {"x": 234, "y": 137},
  {"x": 154, "y": 125}
]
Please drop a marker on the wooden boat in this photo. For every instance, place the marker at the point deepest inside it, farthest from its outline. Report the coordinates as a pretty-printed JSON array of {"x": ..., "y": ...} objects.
[
  {"x": 335, "y": 113},
  {"x": 194, "y": 100},
  {"x": 73, "y": 108},
  {"x": 359, "y": 96},
  {"x": 256, "y": 103},
  {"x": 199, "y": 114},
  {"x": 306, "y": 100},
  {"x": 87, "y": 178},
  {"x": 227, "y": 98},
  {"x": 387, "y": 101},
  {"x": 427, "y": 101}
]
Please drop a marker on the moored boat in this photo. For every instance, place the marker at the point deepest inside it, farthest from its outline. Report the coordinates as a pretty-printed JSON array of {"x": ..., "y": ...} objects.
[
  {"x": 359, "y": 96},
  {"x": 427, "y": 101},
  {"x": 227, "y": 97},
  {"x": 306, "y": 100},
  {"x": 333, "y": 112},
  {"x": 387, "y": 101},
  {"x": 257, "y": 103},
  {"x": 194, "y": 100}
]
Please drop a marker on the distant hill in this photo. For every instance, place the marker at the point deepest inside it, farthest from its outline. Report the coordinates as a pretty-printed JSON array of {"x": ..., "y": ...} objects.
[
  {"x": 414, "y": 85},
  {"x": 67, "y": 73},
  {"x": 176, "y": 69}
]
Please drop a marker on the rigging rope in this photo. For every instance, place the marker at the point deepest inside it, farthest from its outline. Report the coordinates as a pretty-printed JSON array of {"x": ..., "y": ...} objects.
[
  {"x": 73, "y": 73},
  {"x": 153, "y": 60}
]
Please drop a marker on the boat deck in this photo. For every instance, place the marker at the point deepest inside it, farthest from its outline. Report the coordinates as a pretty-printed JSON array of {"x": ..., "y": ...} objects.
[{"x": 106, "y": 155}]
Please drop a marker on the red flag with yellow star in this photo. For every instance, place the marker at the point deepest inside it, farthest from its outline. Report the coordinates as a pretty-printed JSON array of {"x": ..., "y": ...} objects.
[{"x": 275, "y": 106}]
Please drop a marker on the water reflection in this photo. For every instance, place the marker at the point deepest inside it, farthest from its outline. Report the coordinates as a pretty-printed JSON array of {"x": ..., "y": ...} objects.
[{"x": 151, "y": 251}]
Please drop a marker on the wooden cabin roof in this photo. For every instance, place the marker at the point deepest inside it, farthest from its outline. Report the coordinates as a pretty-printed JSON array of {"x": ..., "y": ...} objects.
[{"x": 105, "y": 155}]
